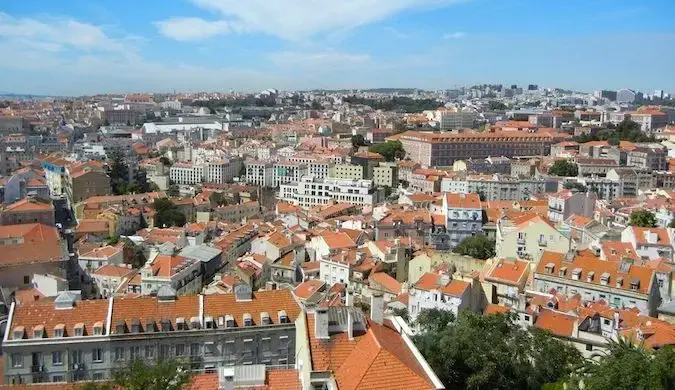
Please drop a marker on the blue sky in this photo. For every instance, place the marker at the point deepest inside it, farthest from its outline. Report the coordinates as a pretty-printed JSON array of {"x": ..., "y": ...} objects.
[{"x": 85, "y": 47}]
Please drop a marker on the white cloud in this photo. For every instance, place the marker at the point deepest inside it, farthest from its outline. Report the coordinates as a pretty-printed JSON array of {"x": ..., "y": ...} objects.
[
  {"x": 318, "y": 59},
  {"x": 454, "y": 35},
  {"x": 297, "y": 19},
  {"x": 53, "y": 34},
  {"x": 192, "y": 29}
]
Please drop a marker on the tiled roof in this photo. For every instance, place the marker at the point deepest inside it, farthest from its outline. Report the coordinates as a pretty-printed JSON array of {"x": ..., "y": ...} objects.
[
  {"x": 308, "y": 288},
  {"x": 270, "y": 302},
  {"x": 641, "y": 233},
  {"x": 41, "y": 243},
  {"x": 455, "y": 288},
  {"x": 164, "y": 265},
  {"x": 559, "y": 324},
  {"x": 617, "y": 250},
  {"x": 494, "y": 309},
  {"x": 407, "y": 217},
  {"x": 111, "y": 270},
  {"x": 338, "y": 240},
  {"x": 383, "y": 279},
  {"x": 375, "y": 359},
  {"x": 92, "y": 226},
  {"x": 105, "y": 252},
  {"x": 29, "y": 205},
  {"x": 428, "y": 281},
  {"x": 512, "y": 272},
  {"x": 43, "y": 313},
  {"x": 586, "y": 263},
  {"x": 463, "y": 200}
]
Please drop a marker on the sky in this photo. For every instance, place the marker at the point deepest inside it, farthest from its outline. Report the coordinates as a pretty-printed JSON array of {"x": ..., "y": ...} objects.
[{"x": 78, "y": 47}]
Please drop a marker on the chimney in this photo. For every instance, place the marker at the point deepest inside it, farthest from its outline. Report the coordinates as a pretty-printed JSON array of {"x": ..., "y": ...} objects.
[
  {"x": 350, "y": 325},
  {"x": 377, "y": 307},
  {"x": 616, "y": 321},
  {"x": 321, "y": 323},
  {"x": 349, "y": 298}
]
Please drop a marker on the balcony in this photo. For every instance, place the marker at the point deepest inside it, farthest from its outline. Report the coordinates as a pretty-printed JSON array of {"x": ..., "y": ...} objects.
[
  {"x": 521, "y": 240},
  {"x": 543, "y": 243}
]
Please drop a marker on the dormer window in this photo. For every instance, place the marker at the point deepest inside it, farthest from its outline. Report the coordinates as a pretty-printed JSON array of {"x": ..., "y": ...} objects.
[
  {"x": 589, "y": 277},
  {"x": 166, "y": 325},
  {"x": 248, "y": 321},
  {"x": 180, "y": 324},
  {"x": 194, "y": 323},
  {"x": 59, "y": 330},
  {"x": 562, "y": 272},
  {"x": 19, "y": 332},
  {"x": 265, "y": 318},
  {"x": 604, "y": 279},
  {"x": 135, "y": 326},
  {"x": 549, "y": 268},
  {"x": 38, "y": 332},
  {"x": 150, "y": 326},
  {"x": 208, "y": 322},
  {"x": 619, "y": 282},
  {"x": 98, "y": 329},
  {"x": 229, "y": 321},
  {"x": 635, "y": 284},
  {"x": 576, "y": 274},
  {"x": 283, "y": 317},
  {"x": 78, "y": 330}
]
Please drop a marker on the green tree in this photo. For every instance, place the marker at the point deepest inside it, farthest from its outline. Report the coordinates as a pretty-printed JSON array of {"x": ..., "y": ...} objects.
[
  {"x": 672, "y": 224},
  {"x": 626, "y": 365},
  {"x": 358, "y": 140},
  {"x": 495, "y": 105},
  {"x": 160, "y": 375},
  {"x": 113, "y": 240},
  {"x": 390, "y": 150},
  {"x": 492, "y": 352},
  {"x": 642, "y": 218},
  {"x": 479, "y": 247},
  {"x": 564, "y": 168},
  {"x": 167, "y": 214},
  {"x": 403, "y": 313},
  {"x": 575, "y": 186},
  {"x": 165, "y": 160}
]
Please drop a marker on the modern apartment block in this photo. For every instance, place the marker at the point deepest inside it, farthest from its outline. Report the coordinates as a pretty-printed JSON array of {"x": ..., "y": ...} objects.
[
  {"x": 69, "y": 340},
  {"x": 311, "y": 191},
  {"x": 260, "y": 173},
  {"x": 443, "y": 149}
]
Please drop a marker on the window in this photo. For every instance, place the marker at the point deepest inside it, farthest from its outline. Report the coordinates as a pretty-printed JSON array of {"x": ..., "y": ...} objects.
[
  {"x": 180, "y": 349},
  {"x": 26, "y": 279},
  {"x": 119, "y": 354},
  {"x": 228, "y": 347},
  {"x": 97, "y": 354},
  {"x": 97, "y": 376},
  {"x": 266, "y": 344},
  {"x": 79, "y": 331},
  {"x": 194, "y": 349},
  {"x": 135, "y": 353},
  {"x": 17, "y": 360},
  {"x": 589, "y": 347},
  {"x": 76, "y": 357},
  {"x": 98, "y": 330},
  {"x": 58, "y": 332},
  {"x": 58, "y": 378},
  {"x": 149, "y": 352},
  {"x": 163, "y": 350},
  {"x": 57, "y": 358}
]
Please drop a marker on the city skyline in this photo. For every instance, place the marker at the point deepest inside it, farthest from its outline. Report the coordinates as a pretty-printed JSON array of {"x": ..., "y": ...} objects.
[{"x": 219, "y": 45}]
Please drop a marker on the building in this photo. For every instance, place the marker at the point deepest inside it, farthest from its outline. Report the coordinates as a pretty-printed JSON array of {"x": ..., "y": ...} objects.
[
  {"x": 622, "y": 284},
  {"x": 28, "y": 210},
  {"x": 29, "y": 250},
  {"x": 507, "y": 278},
  {"x": 182, "y": 274},
  {"x": 454, "y": 120},
  {"x": 463, "y": 216},
  {"x": 443, "y": 149},
  {"x": 13, "y": 125},
  {"x": 651, "y": 157},
  {"x": 310, "y": 191},
  {"x": 260, "y": 173},
  {"x": 527, "y": 236},
  {"x": 386, "y": 175},
  {"x": 369, "y": 161},
  {"x": 649, "y": 243},
  {"x": 186, "y": 173},
  {"x": 288, "y": 172},
  {"x": 438, "y": 291},
  {"x": 83, "y": 180},
  {"x": 566, "y": 202},
  {"x": 222, "y": 171},
  {"x": 108, "y": 278},
  {"x": 346, "y": 171},
  {"x": 88, "y": 340},
  {"x": 626, "y": 96}
]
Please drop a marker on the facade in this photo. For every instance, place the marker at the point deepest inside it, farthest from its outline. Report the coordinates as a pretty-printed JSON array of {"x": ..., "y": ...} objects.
[
  {"x": 346, "y": 171},
  {"x": 87, "y": 340},
  {"x": 434, "y": 291},
  {"x": 260, "y": 173},
  {"x": 652, "y": 157},
  {"x": 386, "y": 175},
  {"x": 184, "y": 173},
  {"x": 182, "y": 274},
  {"x": 622, "y": 284},
  {"x": 463, "y": 216},
  {"x": 222, "y": 171},
  {"x": 527, "y": 236},
  {"x": 310, "y": 191},
  {"x": 28, "y": 210},
  {"x": 565, "y": 203},
  {"x": 288, "y": 172},
  {"x": 443, "y": 149},
  {"x": 508, "y": 278},
  {"x": 454, "y": 120}
]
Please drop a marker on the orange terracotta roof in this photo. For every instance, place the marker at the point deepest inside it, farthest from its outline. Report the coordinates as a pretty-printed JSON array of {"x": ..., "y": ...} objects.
[
  {"x": 559, "y": 324},
  {"x": 617, "y": 250},
  {"x": 494, "y": 309},
  {"x": 29, "y": 205},
  {"x": 463, "y": 200},
  {"x": 308, "y": 288},
  {"x": 455, "y": 288},
  {"x": 92, "y": 226},
  {"x": 640, "y": 234},
  {"x": 87, "y": 312},
  {"x": 37, "y": 243},
  {"x": 512, "y": 272},
  {"x": 390, "y": 284},
  {"x": 338, "y": 240},
  {"x": 112, "y": 270}
]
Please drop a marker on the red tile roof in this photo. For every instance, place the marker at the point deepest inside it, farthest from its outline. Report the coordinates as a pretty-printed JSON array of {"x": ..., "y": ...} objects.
[
  {"x": 511, "y": 272},
  {"x": 36, "y": 243},
  {"x": 387, "y": 282}
]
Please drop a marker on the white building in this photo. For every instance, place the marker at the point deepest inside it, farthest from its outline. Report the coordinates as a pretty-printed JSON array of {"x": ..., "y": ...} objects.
[
  {"x": 288, "y": 172},
  {"x": 434, "y": 291},
  {"x": 184, "y": 173},
  {"x": 311, "y": 191},
  {"x": 180, "y": 273},
  {"x": 222, "y": 171},
  {"x": 260, "y": 173},
  {"x": 182, "y": 125}
]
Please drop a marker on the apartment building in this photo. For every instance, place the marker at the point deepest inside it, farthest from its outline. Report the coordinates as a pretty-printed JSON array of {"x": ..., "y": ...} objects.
[
  {"x": 222, "y": 171},
  {"x": 68, "y": 340},
  {"x": 649, "y": 118},
  {"x": 182, "y": 274},
  {"x": 622, "y": 284},
  {"x": 319, "y": 168},
  {"x": 186, "y": 173},
  {"x": 507, "y": 277},
  {"x": 597, "y": 167},
  {"x": 311, "y": 191},
  {"x": 648, "y": 156},
  {"x": 83, "y": 180},
  {"x": 260, "y": 173},
  {"x": 438, "y": 291},
  {"x": 55, "y": 171},
  {"x": 500, "y": 187},
  {"x": 527, "y": 236},
  {"x": 386, "y": 175},
  {"x": 463, "y": 215},
  {"x": 28, "y": 210},
  {"x": 288, "y": 172},
  {"x": 649, "y": 243},
  {"x": 631, "y": 180},
  {"x": 369, "y": 161},
  {"x": 443, "y": 149},
  {"x": 566, "y": 202},
  {"x": 454, "y": 120},
  {"x": 346, "y": 171}
]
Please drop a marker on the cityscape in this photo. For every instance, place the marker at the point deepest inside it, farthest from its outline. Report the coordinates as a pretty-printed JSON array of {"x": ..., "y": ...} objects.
[{"x": 321, "y": 223}]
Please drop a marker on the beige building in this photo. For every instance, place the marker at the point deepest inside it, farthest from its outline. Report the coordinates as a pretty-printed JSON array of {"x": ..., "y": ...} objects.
[
  {"x": 28, "y": 210},
  {"x": 527, "y": 236},
  {"x": 346, "y": 171},
  {"x": 83, "y": 180},
  {"x": 386, "y": 175}
]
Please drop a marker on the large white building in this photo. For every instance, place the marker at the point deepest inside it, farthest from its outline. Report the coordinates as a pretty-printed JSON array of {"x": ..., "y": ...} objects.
[
  {"x": 311, "y": 191},
  {"x": 222, "y": 171},
  {"x": 182, "y": 125},
  {"x": 288, "y": 172},
  {"x": 260, "y": 173},
  {"x": 184, "y": 173}
]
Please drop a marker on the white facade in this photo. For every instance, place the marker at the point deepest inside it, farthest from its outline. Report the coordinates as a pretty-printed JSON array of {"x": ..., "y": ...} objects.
[
  {"x": 186, "y": 173},
  {"x": 333, "y": 272},
  {"x": 288, "y": 173},
  {"x": 260, "y": 174},
  {"x": 311, "y": 191},
  {"x": 223, "y": 171}
]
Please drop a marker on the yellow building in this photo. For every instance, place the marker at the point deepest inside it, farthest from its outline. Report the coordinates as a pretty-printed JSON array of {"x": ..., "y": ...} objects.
[
  {"x": 527, "y": 236},
  {"x": 346, "y": 171}
]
